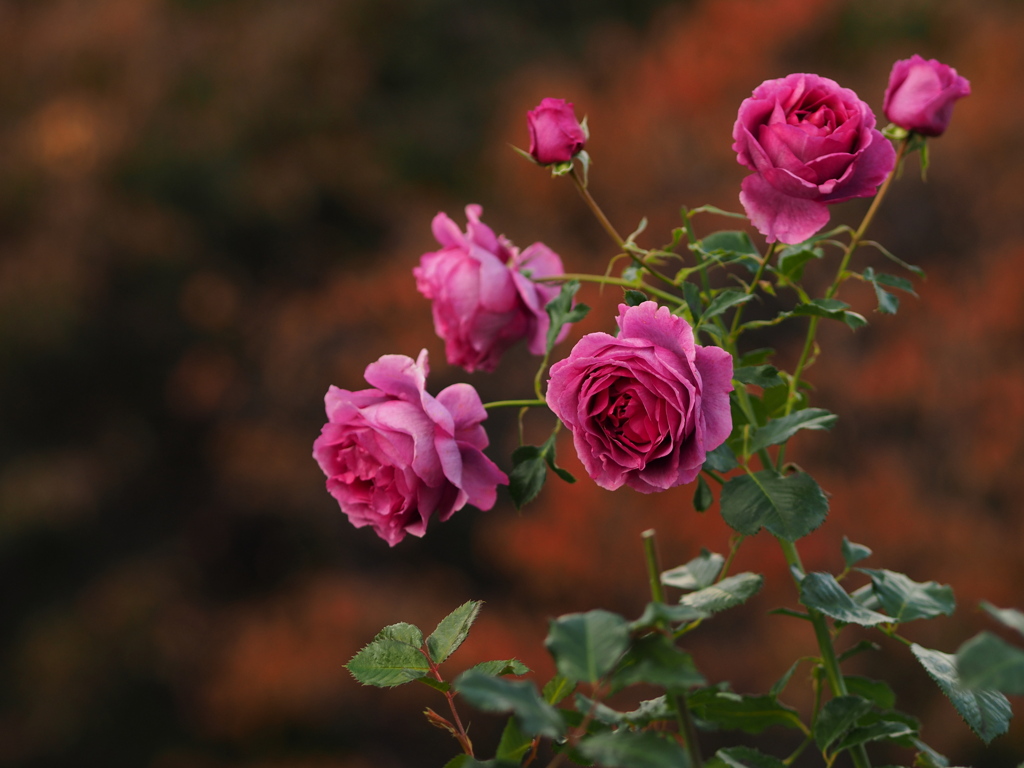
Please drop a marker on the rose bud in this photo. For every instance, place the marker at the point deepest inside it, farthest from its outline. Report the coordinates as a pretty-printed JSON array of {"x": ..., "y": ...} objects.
[
  {"x": 921, "y": 94},
  {"x": 556, "y": 136}
]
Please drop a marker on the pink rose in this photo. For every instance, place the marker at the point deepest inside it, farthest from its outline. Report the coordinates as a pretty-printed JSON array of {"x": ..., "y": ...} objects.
[
  {"x": 556, "y": 136},
  {"x": 646, "y": 406},
  {"x": 484, "y": 298},
  {"x": 395, "y": 456},
  {"x": 921, "y": 93},
  {"x": 812, "y": 144}
]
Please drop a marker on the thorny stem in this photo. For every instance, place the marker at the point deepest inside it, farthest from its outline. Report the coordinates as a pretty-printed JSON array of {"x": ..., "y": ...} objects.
[
  {"x": 836, "y": 682},
  {"x": 608, "y": 280},
  {"x": 627, "y": 248},
  {"x": 462, "y": 737},
  {"x": 750, "y": 289},
  {"x": 513, "y": 403},
  {"x": 678, "y": 699},
  {"x": 855, "y": 239}
]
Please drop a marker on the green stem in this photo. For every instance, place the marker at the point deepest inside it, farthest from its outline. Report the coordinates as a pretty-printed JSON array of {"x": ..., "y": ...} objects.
[
  {"x": 855, "y": 239},
  {"x": 608, "y": 280},
  {"x": 514, "y": 403},
  {"x": 836, "y": 682},
  {"x": 678, "y": 699},
  {"x": 750, "y": 289},
  {"x": 596, "y": 210},
  {"x": 627, "y": 248}
]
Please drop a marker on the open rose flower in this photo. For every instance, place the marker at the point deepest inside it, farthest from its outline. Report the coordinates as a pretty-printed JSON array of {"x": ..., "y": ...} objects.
[
  {"x": 556, "y": 136},
  {"x": 395, "y": 456},
  {"x": 646, "y": 406},
  {"x": 484, "y": 297},
  {"x": 921, "y": 94},
  {"x": 811, "y": 143}
]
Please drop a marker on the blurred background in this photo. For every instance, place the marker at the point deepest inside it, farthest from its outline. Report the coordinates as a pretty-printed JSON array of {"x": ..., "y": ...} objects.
[{"x": 209, "y": 210}]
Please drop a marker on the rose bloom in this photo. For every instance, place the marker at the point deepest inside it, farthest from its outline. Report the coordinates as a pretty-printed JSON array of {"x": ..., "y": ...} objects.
[
  {"x": 646, "y": 406},
  {"x": 484, "y": 297},
  {"x": 921, "y": 93},
  {"x": 556, "y": 136},
  {"x": 395, "y": 456},
  {"x": 811, "y": 143}
]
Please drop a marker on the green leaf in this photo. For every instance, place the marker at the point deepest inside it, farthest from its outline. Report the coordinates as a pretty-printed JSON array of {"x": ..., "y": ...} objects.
[
  {"x": 987, "y": 661},
  {"x": 729, "y": 241},
  {"x": 698, "y": 573},
  {"x": 822, "y": 592},
  {"x": 789, "y": 506},
  {"x": 792, "y": 259},
  {"x": 586, "y": 646},
  {"x": 392, "y": 658},
  {"x": 598, "y": 711},
  {"x": 501, "y": 667},
  {"x": 877, "y": 692},
  {"x": 727, "y": 593},
  {"x": 658, "y": 614},
  {"x": 562, "y": 311},
  {"x": 452, "y": 630},
  {"x": 630, "y": 749},
  {"x": 906, "y": 600},
  {"x": 780, "y": 430},
  {"x": 755, "y": 357},
  {"x": 928, "y": 757},
  {"x": 724, "y": 301},
  {"x": 837, "y": 717},
  {"x": 650, "y": 711},
  {"x": 634, "y": 298},
  {"x": 863, "y": 645},
  {"x": 764, "y": 376},
  {"x": 722, "y": 459},
  {"x": 854, "y": 553},
  {"x": 986, "y": 712},
  {"x": 557, "y": 688},
  {"x": 881, "y": 729},
  {"x": 702, "y": 496},
  {"x": 783, "y": 681},
  {"x": 656, "y": 660},
  {"x": 1008, "y": 617},
  {"x": 514, "y": 743},
  {"x": 733, "y": 711},
  {"x": 529, "y": 471},
  {"x": 691, "y": 294},
  {"x": 833, "y": 309},
  {"x": 499, "y": 694},
  {"x": 743, "y": 757}
]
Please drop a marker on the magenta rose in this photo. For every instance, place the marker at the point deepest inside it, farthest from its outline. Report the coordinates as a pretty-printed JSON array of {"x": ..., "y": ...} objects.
[
  {"x": 395, "y": 456},
  {"x": 921, "y": 93},
  {"x": 646, "y": 406},
  {"x": 811, "y": 143},
  {"x": 556, "y": 136},
  {"x": 484, "y": 297}
]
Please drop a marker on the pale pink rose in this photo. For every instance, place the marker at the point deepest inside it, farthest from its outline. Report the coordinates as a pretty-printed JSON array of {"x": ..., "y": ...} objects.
[
  {"x": 556, "y": 136},
  {"x": 395, "y": 456},
  {"x": 483, "y": 292},
  {"x": 646, "y": 406},
  {"x": 921, "y": 94},
  {"x": 811, "y": 143}
]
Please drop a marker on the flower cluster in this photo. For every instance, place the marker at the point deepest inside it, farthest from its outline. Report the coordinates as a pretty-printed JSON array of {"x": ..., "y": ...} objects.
[{"x": 646, "y": 406}]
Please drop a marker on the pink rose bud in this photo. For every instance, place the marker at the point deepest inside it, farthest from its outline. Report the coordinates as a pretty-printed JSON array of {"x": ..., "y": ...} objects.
[
  {"x": 646, "y": 406},
  {"x": 395, "y": 456},
  {"x": 483, "y": 292},
  {"x": 921, "y": 94},
  {"x": 810, "y": 143},
  {"x": 556, "y": 136}
]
